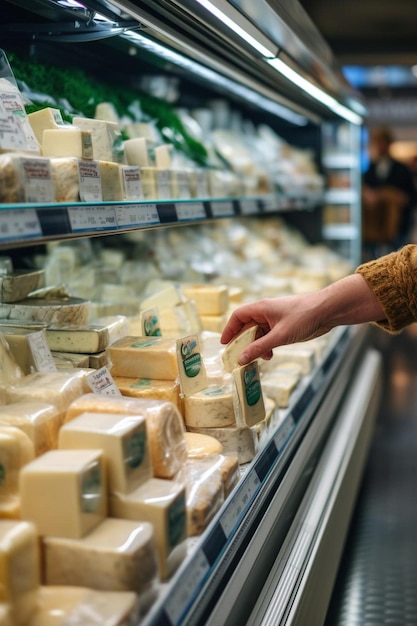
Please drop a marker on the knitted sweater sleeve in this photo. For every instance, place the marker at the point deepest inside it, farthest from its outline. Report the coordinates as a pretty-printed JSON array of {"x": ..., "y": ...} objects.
[{"x": 393, "y": 279}]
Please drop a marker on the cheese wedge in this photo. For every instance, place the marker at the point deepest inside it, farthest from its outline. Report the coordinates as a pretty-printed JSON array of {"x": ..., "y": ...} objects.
[
  {"x": 233, "y": 350},
  {"x": 17, "y": 285},
  {"x": 82, "y": 339}
]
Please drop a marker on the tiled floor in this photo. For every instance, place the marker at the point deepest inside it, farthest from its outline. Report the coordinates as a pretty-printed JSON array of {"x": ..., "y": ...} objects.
[{"x": 377, "y": 582}]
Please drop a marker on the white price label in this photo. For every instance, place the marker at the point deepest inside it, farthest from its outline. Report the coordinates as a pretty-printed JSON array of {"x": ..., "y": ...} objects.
[
  {"x": 131, "y": 181},
  {"x": 222, "y": 209},
  {"x": 12, "y": 136},
  {"x": 162, "y": 184},
  {"x": 38, "y": 182},
  {"x": 19, "y": 224},
  {"x": 41, "y": 353},
  {"x": 190, "y": 211},
  {"x": 90, "y": 181},
  {"x": 177, "y": 602},
  {"x": 183, "y": 182},
  {"x": 129, "y": 215},
  {"x": 249, "y": 206},
  {"x": 102, "y": 383},
  {"x": 86, "y": 218},
  {"x": 239, "y": 503}
]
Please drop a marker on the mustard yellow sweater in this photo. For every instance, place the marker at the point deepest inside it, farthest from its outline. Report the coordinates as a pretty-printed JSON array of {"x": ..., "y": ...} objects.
[{"x": 393, "y": 279}]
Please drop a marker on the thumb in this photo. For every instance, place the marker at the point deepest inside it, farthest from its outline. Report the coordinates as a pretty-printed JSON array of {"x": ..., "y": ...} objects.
[{"x": 261, "y": 347}]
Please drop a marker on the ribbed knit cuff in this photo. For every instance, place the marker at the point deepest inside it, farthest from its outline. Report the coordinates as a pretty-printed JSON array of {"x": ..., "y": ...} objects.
[{"x": 393, "y": 279}]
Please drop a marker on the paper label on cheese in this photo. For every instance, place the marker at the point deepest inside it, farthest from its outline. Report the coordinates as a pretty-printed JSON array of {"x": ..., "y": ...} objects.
[
  {"x": 191, "y": 367},
  {"x": 177, "y": 521},
  {"x": 12, "y": 136},
  {"x": 134, "y": 449},
  {"x": 91, "y": 489},
  {"x": 150, "y": 322},
  {"x": 131, "y": 182},
  {"x": 41, "y": 353},
  {"x": 13, "y": 106},
  {"x": 90, "y": 181},
  {"x": 37, "y": 176},
  {"x": 250, "y": 405},
  {"x": 101, "y": 382}
]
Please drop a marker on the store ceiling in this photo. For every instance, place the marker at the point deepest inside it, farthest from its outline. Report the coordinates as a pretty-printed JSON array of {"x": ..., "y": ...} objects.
[{"x": 367, "y": 32}]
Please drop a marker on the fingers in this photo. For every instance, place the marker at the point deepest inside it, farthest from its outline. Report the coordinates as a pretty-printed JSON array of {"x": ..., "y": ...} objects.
[
  {"x": 261, "y": 348},
  {"x": 236, "y": 323}
]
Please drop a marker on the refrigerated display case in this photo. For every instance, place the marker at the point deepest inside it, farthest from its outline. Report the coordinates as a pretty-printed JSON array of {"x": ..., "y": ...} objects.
[{"x": 271, "y": 553}]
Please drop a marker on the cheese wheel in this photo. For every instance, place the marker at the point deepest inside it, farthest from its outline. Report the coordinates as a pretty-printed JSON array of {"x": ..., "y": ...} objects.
[
  {"x": 146, "y": 388},
  {"x": 237, "y": 441},
  {"x": 211, "y": 407},
  {"x": 199, "y": 446},
  {"x": 51, "y": 311},
  {"x": 64, "y": 492},
  {"x": 85, "y": 339},
  {"x": 205, "y": 495},
  {"x": 117, "y": 555},
  {"x": 19, "y": 569}
]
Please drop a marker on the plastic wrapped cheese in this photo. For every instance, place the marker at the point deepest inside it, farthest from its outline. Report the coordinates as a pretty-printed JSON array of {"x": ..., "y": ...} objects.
[
  {"x": 19, "y": 569},
  {"x": 123, "y": 440},
  {"x": 63, "y": 605},
  {"x": 165, "y": 427},
  {"x": 64, "y": 492},
  {"x": 144, "y": 357},
  {"x": 18, "y": 173},
  {"x": 205, "y": 495},
  {"x": 40, "y": 421},
  {"x": 10, "y": 372},
  {"x": 279, "y": 386},
  {"x": 237, "y": 441},
  {"x": 106, "y": 138},
  {"x": 209, "y": 299},
  {"x": 146, "y": 388},
  {"x": 163, "y": 504},
  {"x": 57, "y": 388},
  {"x": 16, "y": 450},
  {"x": 66, "y": 179},
  {"x": 117, "y": 555},
  {"x": 199, "y": 446}
]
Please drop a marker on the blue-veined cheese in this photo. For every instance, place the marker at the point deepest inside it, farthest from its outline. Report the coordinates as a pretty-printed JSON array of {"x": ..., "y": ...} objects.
[{"x": 106, "y": 138}]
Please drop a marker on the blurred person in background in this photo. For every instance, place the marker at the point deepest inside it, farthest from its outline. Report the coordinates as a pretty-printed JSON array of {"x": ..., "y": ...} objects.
[{"x": 389, "y": 198}]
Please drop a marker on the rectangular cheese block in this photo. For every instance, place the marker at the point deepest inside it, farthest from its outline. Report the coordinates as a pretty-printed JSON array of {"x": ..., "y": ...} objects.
[
  {"x": 28, "y": 347},
  {"x": 248, "y": 399},
  {"x": 16, "y": 450},
  {"x": 117, "y": 555},
  {"x": 136, "y": 151},
  {"x": 214, "y": 323},
  {"x": 165, "y": 426},
  {"x": 117, "y": 326},
  {"x": 66, "y": 360},
  {"x": 75, "y": 482},
  {"x": 165, "y": 297},
  {"x": 18, "y": 284},
  {"x": 178, "y": 320},
  {"x": 123, "y": 440},
  {"x": 82, "y": 339},
  {"x": 106, "y": 138},
  {"x": 163, "y": 504},
  {"x": 67, "y": 142},
  {"x": 19, "y": 569},
  {"x": 205, "y": 495},
  {"x": 65, "y": 176},
  {"x": 43, "y": 119},
  {"x": 63, "y": 605},
  {"x": 279, "y": 386},
  {"x": 111, "y": 181},
  {"x": 40, "y": 421},
  {"x": 296, "y": 353},
  {"x": 57, "y": 388},
  {"x": 209, "y": 299},
  {"x": 147, "y": 388},
  {"x": 144, "y": 357},
  {"x": 233, "y": 350},
  {"x": 211, "y": 407}
]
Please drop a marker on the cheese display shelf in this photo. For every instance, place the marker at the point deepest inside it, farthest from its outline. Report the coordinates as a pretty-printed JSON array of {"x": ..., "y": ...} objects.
[{"x": 24, "y": 223}]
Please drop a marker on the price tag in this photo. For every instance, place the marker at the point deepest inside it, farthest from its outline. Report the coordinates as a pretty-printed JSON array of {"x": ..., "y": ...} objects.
[
  {"x": 40, "y": 352},
  {"x": 19, "y": 224},
  {"x": 131, "y": 182},
  {"x": 37, "y": 178},
  {"x": 86, "y": 218},
  {"x": 249, "y": 206},
  {"x": 183, "y": 182},
  {"x": 239, "y": 503},
  {"x": 90, "y": 181},
  {"x": 185, "y": 592},
  {"x": 102, "y": 383},
  {"x": 12, "y": 136},
  {"x": 222, "y": 209},
  {"x": 190, "y": 211},
  {"x": 130, "y": 215},
  {"x": 283, "y": 433}
]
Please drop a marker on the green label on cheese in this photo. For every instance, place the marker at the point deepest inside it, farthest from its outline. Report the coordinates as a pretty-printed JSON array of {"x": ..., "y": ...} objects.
[
  {"x": 144, "y": 344},
  {"x": 91, "y": 489},
  {"x": 214, "y": 392},
  {"x": 141, "y": 382},
  {"x": 252, "y": 385},
  {"x": 2, "y": 474},
  {"x": 192, "y": 365},
  {"x": 134, "y": 447},
  {"x": 177, "y": 521}
]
